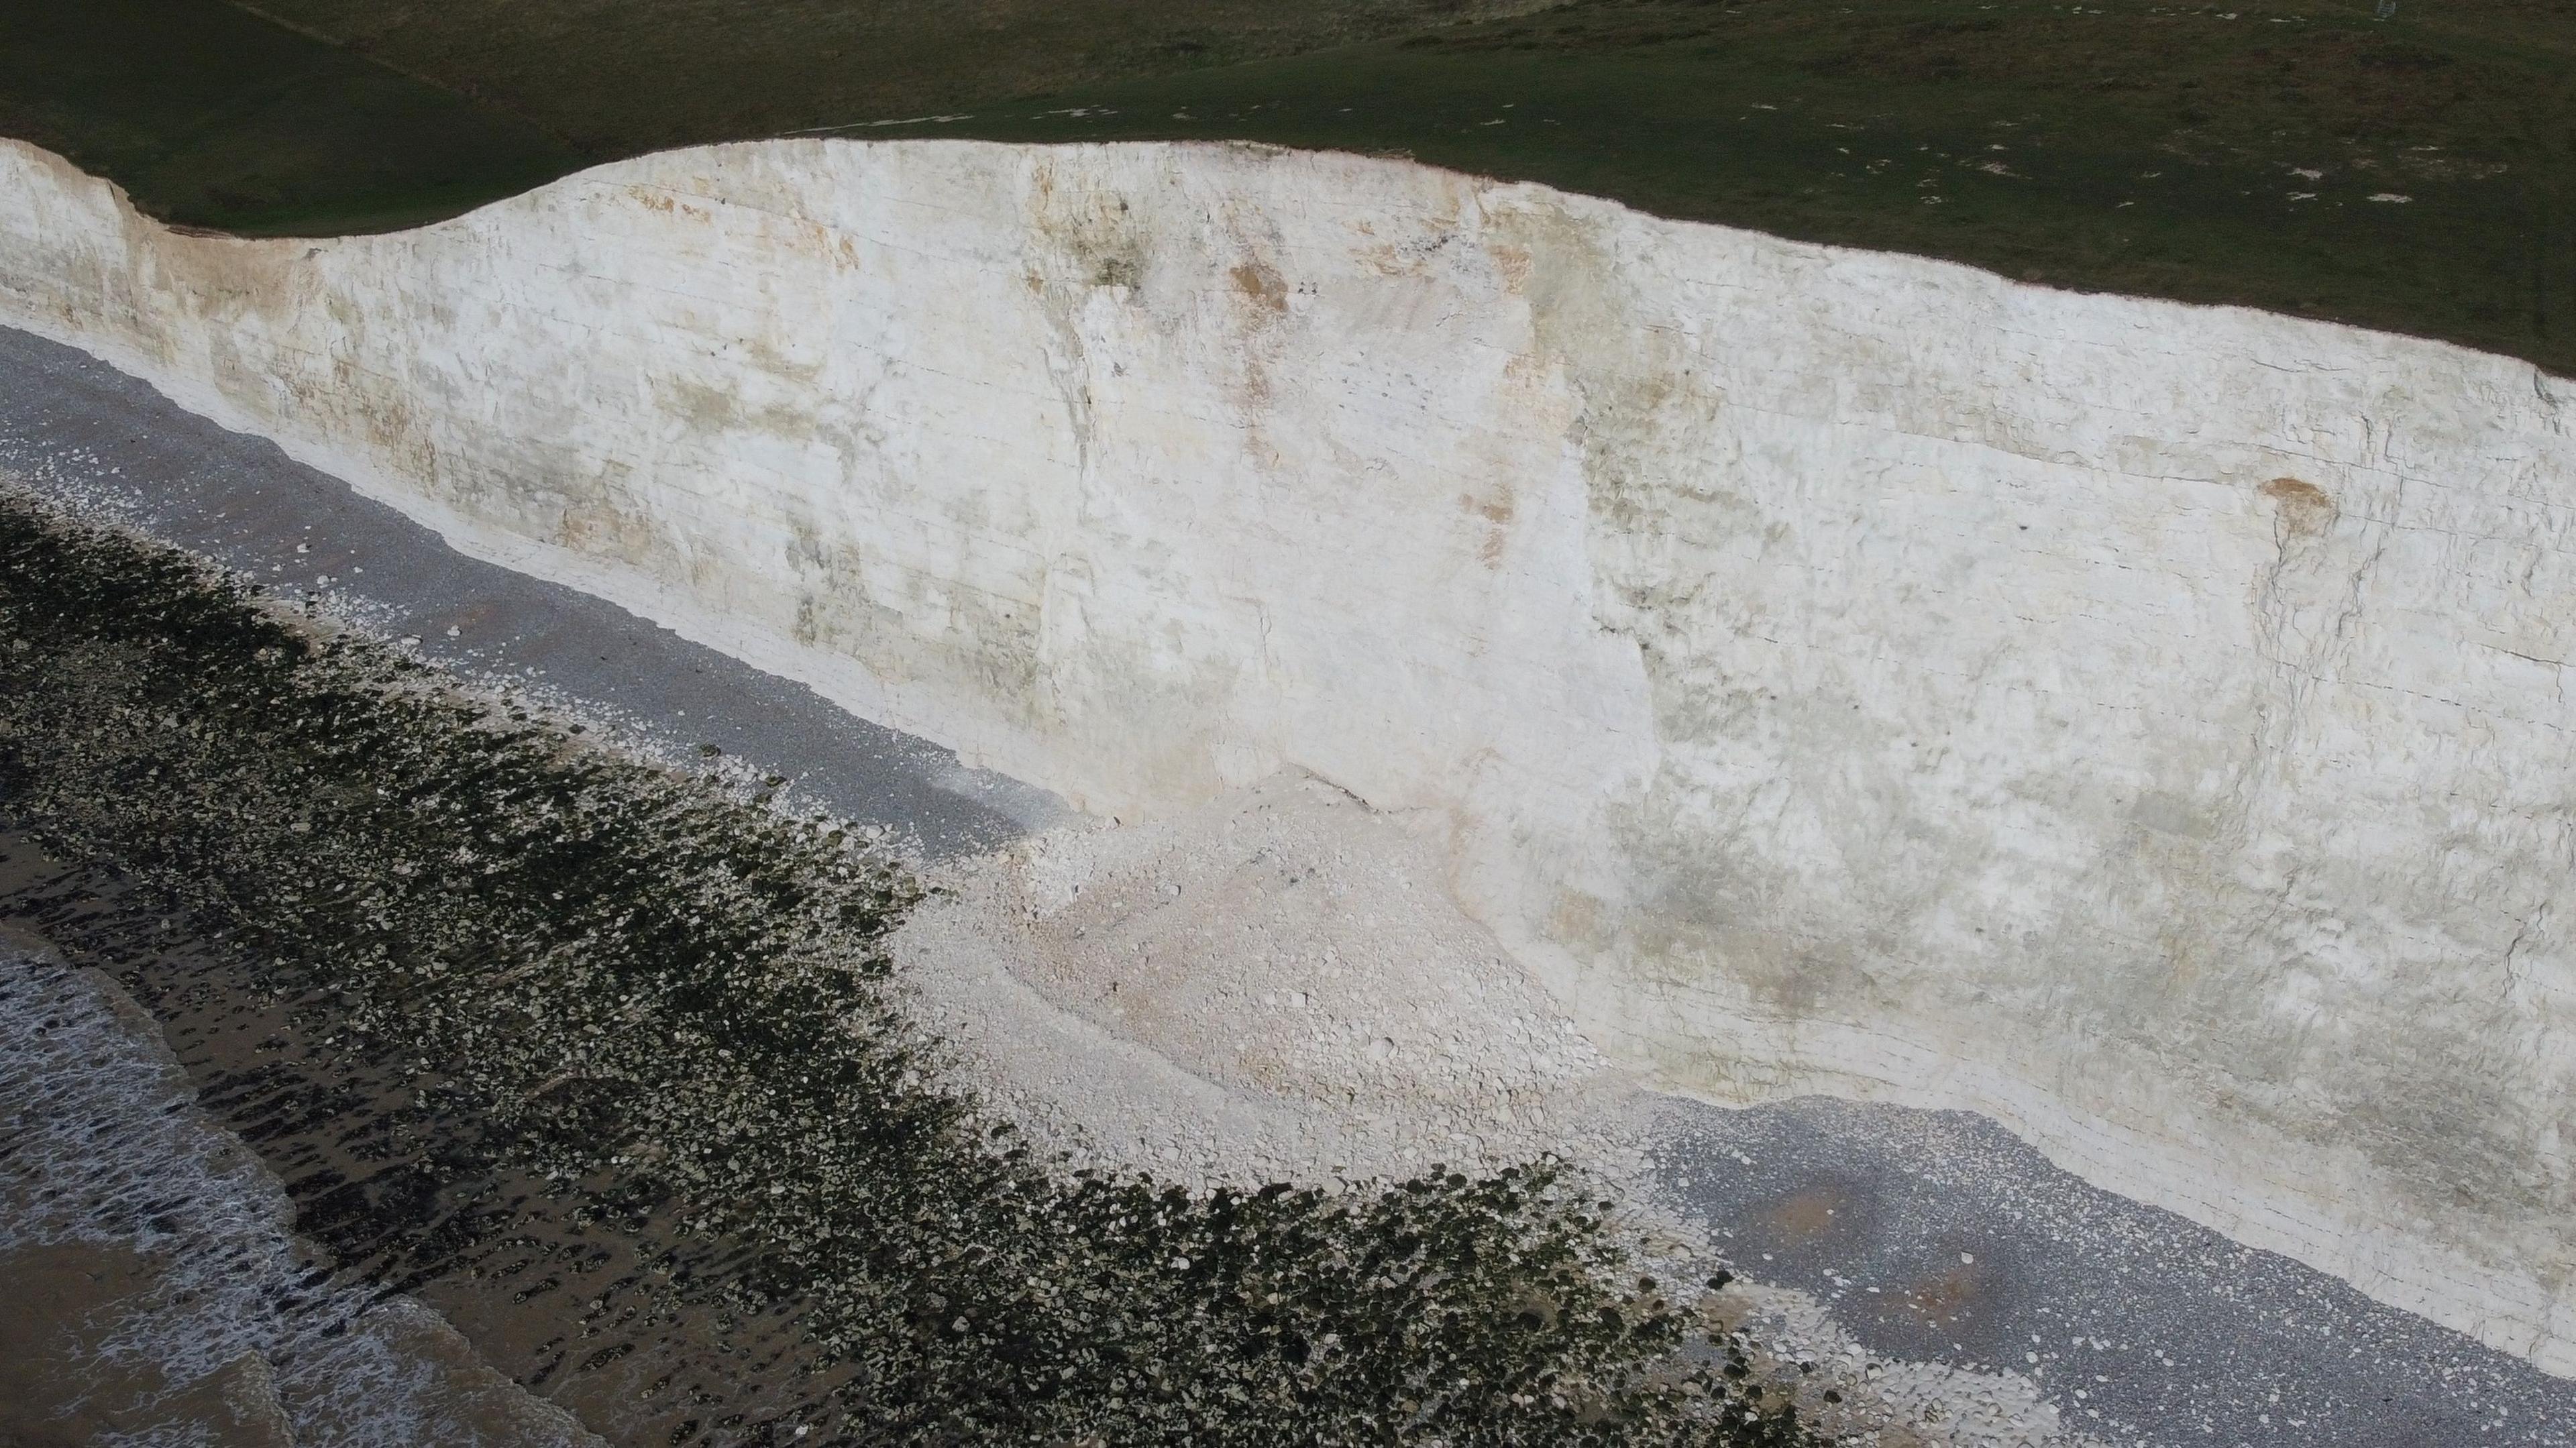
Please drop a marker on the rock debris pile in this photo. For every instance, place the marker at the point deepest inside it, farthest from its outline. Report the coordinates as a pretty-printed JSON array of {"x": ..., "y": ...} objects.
[
  {"x": 1290, "y": 990},
  {"x": 536, "y": 1009}
]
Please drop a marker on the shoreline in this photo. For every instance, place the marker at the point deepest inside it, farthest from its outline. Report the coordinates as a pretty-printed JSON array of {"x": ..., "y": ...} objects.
[
  {"x": 130, "y": 440},
  {"x": 1138, "y": 472},
  {"x": 160, "y": 1288},
  {"x": 510, "y": 1013},
  {"x": 336, "y": 1136}
]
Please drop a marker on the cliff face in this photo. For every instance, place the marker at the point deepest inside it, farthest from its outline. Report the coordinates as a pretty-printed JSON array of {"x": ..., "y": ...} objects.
[{"x": 2147, "y": 725}]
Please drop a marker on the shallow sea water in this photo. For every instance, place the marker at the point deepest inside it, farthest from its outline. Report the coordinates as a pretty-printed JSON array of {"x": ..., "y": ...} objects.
[{"x": 159, "y": 1294}]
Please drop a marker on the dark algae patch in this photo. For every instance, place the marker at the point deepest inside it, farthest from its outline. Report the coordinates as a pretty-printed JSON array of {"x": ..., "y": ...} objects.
[{"x": 605, "y": 1061}]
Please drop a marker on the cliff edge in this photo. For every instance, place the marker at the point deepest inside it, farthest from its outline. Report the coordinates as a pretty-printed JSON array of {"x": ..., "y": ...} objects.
[{"x": 1841, "y": 672}]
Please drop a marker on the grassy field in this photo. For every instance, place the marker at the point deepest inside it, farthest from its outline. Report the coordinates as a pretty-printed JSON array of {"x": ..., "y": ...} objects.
[
  {"x": 2410, "y": 173},
  {"x": 214, "y": 117},
  {"x": 2403, "y": 176},
  {"x": 640, "y": 75}
]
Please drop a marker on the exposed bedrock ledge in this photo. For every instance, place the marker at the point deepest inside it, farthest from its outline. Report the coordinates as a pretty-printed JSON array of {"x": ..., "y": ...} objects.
[{"x": 1848, "y": 673}]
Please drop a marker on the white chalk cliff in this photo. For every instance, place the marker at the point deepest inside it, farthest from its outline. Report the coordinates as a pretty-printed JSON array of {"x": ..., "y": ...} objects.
[{"x": 1845, "y": 673}]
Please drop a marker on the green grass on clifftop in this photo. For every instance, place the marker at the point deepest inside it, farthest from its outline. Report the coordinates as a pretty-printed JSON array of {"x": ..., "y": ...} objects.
[
  {"x": 2410, "y": 173},
  {"x": 214, "y": 117},
  {"x": 2407, "y": 176}
]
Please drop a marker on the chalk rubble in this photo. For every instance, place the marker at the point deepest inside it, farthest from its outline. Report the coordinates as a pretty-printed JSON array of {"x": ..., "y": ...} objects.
[{"x": 1827, "y": 671}]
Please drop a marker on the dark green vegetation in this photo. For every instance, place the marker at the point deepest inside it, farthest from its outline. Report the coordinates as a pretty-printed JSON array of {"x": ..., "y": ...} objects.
[
  {"x": 214, "y": 117},
  {"x": 318, "y": 119},
  {"x": 538, "y": 1012},
  {"x": 648, "y": 74},
  {"x": 2207, "y": 153},
  {"x": 2149, "y": 148}
]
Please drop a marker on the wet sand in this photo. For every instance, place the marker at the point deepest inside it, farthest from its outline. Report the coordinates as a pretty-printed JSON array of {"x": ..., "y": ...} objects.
[
  {"x": 156, "y": 1292},
  {"x": 1939, "y": 1236},
  {"x": 2169, "y": 1334},
  {"x": 55, "y": 1387},
  {"x": 336, "y": 1167}
]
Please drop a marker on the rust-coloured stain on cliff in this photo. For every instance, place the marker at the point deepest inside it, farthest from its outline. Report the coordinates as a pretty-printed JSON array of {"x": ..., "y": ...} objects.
[{"x": 2304, "y": 507}]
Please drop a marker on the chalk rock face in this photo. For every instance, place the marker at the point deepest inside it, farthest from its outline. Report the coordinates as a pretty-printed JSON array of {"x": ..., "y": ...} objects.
[{"x": 1850, "y": 673}]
